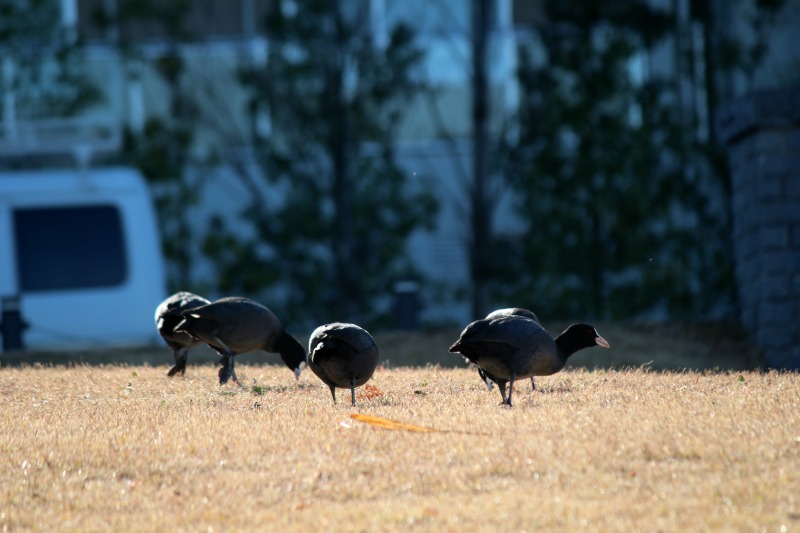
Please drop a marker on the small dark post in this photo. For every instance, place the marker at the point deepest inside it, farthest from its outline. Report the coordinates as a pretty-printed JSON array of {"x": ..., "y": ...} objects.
[
  {"x": 406, "y": 305},
  {"x": 12, "y": 324}
]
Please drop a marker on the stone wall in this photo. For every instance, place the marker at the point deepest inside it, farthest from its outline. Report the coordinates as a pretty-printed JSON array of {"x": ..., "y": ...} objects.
[{"x": 762, "y": 136}]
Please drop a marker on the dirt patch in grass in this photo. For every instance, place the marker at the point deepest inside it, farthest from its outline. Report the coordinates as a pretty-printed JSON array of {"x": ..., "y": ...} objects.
[{"x": 125, "y": 448}]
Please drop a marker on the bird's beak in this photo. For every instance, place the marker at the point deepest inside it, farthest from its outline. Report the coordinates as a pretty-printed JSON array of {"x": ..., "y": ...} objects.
[
  {"x": 297, "y": 372},
  {"x": 602, "y": 342}
]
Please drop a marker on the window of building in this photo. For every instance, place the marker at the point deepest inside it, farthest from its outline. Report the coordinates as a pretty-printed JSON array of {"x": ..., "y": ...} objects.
[{"x": 69, "y": 248}]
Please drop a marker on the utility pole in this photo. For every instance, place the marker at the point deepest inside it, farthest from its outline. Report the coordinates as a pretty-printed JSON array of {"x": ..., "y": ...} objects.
[{"x": 480, "y": 219}]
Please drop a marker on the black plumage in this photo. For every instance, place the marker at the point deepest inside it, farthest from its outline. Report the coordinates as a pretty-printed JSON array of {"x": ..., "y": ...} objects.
[
  {"x": 169, "y": 314},
  {"x": 237, "y": 325},
  {"x": 508, "y": 311},
  {"x": 512, "y": 347},
  {"x": 342, "y": 355},
  {"x": 514, "y": 311}
]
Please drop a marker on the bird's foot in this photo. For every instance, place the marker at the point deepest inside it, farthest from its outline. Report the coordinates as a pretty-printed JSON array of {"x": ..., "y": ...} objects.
[
  {"x": 180, "y": 365},
  {"x": 177, "y": 369}
]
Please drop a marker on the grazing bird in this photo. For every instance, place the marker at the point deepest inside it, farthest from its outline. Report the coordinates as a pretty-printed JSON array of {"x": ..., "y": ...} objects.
[
  {"x": 342, "y": 355},
  {"x": 508, "y": 311},
  {"x": 512, "y": 347},
  {"x": 237, "y": 325},
  {"x": 168, "y": 316}
]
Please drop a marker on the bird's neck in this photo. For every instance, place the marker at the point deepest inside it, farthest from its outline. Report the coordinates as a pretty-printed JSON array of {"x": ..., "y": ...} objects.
[
  {"x": 284, "y": 342},
  {"x": 566, "y": 345},
  {"x": 291, "y": 351}
]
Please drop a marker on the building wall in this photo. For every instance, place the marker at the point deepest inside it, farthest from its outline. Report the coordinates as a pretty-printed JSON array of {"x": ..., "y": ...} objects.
[{"x": 762, "y": 132}]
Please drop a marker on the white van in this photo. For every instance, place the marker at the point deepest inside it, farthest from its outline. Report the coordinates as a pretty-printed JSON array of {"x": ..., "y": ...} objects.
[{"x": 80, "y": 257}]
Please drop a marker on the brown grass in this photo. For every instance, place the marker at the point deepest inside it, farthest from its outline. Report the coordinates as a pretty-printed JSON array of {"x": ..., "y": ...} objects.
[{"x": 125, "y": 448}]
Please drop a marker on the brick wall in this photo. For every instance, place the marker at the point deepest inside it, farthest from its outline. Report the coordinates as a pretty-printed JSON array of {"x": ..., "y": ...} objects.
[{"x": 762, "y": 136}]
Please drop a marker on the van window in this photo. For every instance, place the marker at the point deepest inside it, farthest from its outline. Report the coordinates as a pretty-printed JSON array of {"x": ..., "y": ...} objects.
[{"x": 69, "y": 247}]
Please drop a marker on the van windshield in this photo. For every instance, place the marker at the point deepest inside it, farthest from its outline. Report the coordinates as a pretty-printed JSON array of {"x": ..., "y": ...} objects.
[{"x": 69, "y": 247}]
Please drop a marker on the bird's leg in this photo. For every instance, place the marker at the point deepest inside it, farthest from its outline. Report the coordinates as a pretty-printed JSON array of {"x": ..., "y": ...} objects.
[
  {"x": 533, "y": 385},
  {"x": 502, "y": 386},
  {"x": 353, "y": 389},
  {"x": 333, "y": 393},
  {"x": 227, "y": 371},
  {"x": 485, "y": 379},
  {"x": 181, "y": 355},
  {"x": 510, "y": 389},
  {"x": 233, "y": 372}
]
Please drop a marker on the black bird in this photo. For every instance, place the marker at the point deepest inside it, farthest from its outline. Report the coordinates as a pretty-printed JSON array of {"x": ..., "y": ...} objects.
[
  {"x": 342, "y": 355},
  {"x": 168, "y": 316},
  {"x": 512, "y": 347},
  {"x": 508, "y": 311},
  {"x": 237, "y": 325}
]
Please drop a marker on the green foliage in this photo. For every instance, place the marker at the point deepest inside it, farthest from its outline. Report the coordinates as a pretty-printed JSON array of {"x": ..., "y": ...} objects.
[
  {"x": 335, "y": 241},
  {"x": 49, "y": 77},
  {"x": 624, "y": 216},
  {"x": 162, "y": 151}
]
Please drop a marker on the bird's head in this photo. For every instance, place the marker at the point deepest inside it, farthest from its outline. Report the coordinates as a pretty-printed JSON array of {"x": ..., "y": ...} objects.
[
  {"x": 292, "y": 353},
  {"x": 580, "y": 336}
]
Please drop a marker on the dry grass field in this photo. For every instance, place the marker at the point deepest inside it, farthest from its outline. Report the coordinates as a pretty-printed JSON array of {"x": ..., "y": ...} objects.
[{"x": 124, "y": 448}]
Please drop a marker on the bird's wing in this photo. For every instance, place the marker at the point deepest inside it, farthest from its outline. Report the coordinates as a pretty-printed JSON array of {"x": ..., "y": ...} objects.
[
  {"x": 513, "y": 331},
  {"x": 354, "y": 336},
  {"x": 179, "y": 302},
  {"x": 232, "y": 310}
]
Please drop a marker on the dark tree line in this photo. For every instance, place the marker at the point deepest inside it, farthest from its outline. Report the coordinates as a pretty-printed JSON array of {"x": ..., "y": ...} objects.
[
  {"x": 623, "y": 201},
  {"x": 334, "y": 97}
]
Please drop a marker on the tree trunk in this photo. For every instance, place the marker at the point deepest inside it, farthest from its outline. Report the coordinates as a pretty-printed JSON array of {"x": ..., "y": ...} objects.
[{"x": 347, "y": 287}]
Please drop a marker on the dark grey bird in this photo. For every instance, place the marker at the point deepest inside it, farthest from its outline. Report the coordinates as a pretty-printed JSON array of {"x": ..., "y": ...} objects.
[
  {"x": 508, "y": 311},
  {"x": 342, "y": 355},
  {"x": 237, "y": 325},
  {"x": 512, "y": 347},
  {"x": 168, "y": 316}
]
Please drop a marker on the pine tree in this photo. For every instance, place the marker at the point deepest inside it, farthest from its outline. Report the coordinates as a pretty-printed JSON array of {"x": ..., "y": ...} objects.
[
  {"x": 624, "y": 216},
  {"x": 335, "y": 240}
]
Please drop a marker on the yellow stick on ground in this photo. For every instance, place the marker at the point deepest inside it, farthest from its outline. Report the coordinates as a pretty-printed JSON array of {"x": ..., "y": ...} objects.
[{"x": 388, "y": 423}]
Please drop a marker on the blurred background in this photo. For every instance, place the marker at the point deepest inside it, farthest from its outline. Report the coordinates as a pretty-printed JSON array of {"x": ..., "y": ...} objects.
[{"x": 398, "y": 164}]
